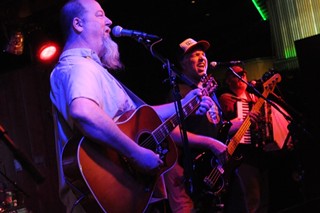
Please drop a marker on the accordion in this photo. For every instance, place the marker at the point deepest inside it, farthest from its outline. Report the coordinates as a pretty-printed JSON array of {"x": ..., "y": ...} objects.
[{"x": 272, "y": 132}]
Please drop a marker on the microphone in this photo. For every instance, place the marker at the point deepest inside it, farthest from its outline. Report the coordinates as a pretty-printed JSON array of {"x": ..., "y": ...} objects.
[
  {"x": 118, "y": 31},
  {"x": 213, "y": 64}
]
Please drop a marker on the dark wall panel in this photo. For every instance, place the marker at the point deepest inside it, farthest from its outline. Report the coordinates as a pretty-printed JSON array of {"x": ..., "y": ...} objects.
[{"x": 308, "y": 53}]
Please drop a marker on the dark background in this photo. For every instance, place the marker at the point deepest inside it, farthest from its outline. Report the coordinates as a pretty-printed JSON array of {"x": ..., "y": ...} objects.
[{"x": 235, "y": 30}]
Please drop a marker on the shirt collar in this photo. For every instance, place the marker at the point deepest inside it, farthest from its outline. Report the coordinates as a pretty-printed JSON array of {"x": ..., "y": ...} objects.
[{"x": 82, "y": 52}]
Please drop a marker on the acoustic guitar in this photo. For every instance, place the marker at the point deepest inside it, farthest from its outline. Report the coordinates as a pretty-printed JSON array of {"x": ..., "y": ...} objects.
[{"x": 106, "y": 180}]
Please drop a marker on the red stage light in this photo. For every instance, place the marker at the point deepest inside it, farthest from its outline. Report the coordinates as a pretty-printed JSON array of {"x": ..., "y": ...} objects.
[{"x": 48, "y": 52}]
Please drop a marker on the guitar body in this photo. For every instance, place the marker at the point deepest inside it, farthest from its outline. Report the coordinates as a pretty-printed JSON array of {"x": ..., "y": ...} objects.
[
  {"x": 107, "y": 177},
  {"x": 210, "y": 178}
]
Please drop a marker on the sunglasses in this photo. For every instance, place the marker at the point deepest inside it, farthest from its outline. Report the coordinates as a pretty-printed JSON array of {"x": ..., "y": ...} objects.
[{"x": 242, "y": 73}]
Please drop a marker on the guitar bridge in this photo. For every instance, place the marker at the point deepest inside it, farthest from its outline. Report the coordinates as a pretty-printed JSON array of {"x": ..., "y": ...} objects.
[
  {"x": 161, "y": 151},
  {"x": 211, "y": 179}
]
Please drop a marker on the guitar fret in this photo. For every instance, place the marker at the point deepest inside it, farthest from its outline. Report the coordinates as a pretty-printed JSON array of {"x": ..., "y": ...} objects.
[{"x": 162, "y": 133}]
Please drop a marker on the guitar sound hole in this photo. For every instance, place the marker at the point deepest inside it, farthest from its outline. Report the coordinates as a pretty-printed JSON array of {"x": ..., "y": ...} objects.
[{"x": 147, "y": 141}]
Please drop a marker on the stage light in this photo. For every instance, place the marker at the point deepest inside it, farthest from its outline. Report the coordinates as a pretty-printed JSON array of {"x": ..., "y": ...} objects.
[
  {"x": 47, "y": 52},
  {"x": 43, "y": 47}
]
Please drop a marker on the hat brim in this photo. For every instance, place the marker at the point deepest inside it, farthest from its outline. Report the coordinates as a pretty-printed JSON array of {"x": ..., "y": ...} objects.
[
  {"x": 237, "y": 69},
  {"x": 202, "y": 44}
]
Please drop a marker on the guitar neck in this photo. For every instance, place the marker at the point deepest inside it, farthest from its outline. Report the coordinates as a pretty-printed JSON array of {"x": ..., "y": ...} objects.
[
  {"x": 208, "y": 86},
  {"x": 165, "y": 129},
  {"x": 268, "y": 87},
  {"x": 244, "y": 127}
]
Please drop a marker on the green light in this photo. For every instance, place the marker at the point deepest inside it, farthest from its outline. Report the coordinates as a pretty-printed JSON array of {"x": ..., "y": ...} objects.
[
  {"x": 290, "y": 53},
  {"x": 261, "y": 11}
]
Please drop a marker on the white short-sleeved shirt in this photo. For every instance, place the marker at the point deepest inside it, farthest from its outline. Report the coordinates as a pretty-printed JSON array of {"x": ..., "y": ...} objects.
[{"x": 79, "y": 73}]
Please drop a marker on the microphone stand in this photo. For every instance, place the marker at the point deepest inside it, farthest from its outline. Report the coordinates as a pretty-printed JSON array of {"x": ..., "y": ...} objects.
[
  {"x": 172, "y": 73},
  {"x": 21, "y": 157},
  {"x": 188, "y": 174}
]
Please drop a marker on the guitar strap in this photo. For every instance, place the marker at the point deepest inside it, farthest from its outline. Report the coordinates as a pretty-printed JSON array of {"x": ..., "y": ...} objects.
[
  {"x": 138, "y": 101},
  {"x": 215, "y": 99},
  {"x": 73, "y": 132}
]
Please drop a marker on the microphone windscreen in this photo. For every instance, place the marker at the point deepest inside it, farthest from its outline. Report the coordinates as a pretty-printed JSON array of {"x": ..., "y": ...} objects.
[
  {"x": 213, "y": 64},
  {"x": 116, "y": 31}
]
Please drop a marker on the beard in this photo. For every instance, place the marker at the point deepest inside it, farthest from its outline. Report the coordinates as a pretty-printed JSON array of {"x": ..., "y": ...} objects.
[{"x": 111, "y": 56}]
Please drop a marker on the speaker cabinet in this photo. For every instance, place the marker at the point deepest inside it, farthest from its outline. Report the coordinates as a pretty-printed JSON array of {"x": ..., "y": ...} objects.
[{"x": 308, "y": 82}]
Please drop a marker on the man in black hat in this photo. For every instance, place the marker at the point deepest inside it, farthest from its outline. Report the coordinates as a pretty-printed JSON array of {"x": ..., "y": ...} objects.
[{"x": 194, "y": 64}]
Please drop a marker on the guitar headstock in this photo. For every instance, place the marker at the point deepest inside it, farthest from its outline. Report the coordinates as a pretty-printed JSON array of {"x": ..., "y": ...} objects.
[
  {"x": 208, "y": 84},
  {"x": 269, "y": 85}
]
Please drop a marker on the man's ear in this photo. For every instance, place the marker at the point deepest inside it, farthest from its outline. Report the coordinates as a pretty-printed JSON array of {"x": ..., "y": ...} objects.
[{"x": 77, "y": 24}]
